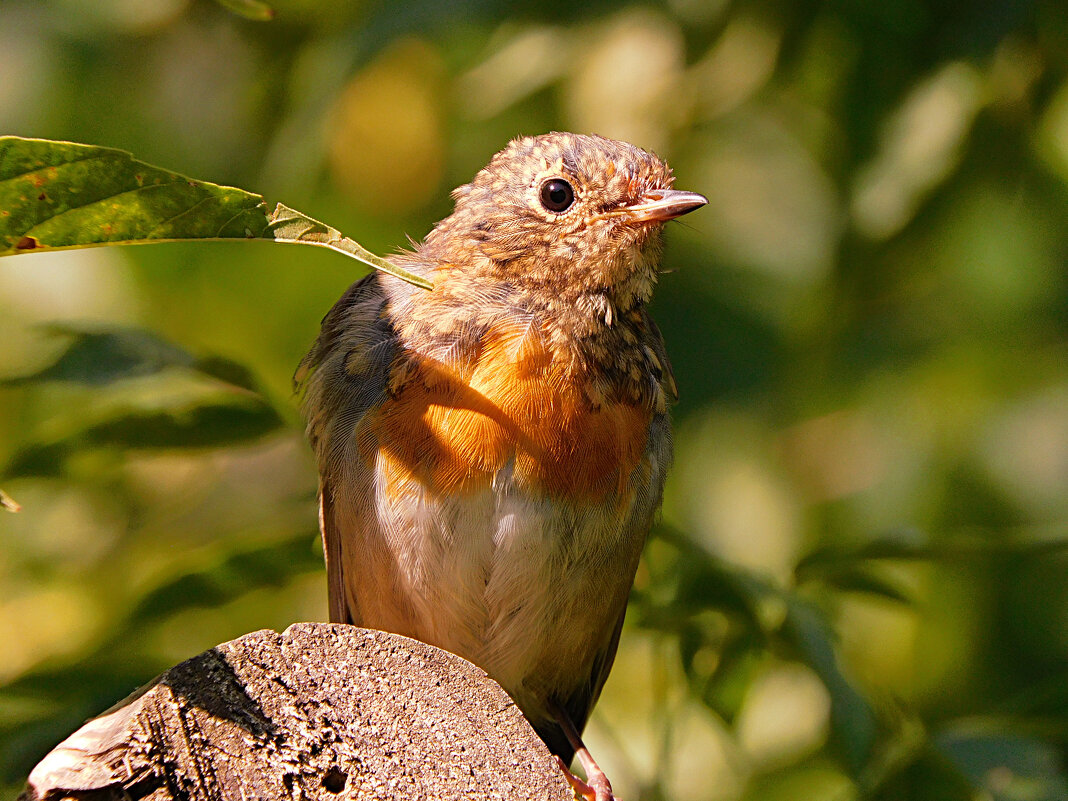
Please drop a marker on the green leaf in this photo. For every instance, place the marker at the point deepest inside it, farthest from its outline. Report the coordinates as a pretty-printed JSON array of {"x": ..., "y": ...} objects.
[
  {"x": 227, "y": 577},
  {"x": 224, "y": 418},
  {"x": 899, "y": 548},
  {"x": 901, "y": 544},
  {"x": 853, "y": 720},
  {"x": 70, "y": 694},
  {"x": 56, "y": 195},
  {"x": 65, "y": 693},
  {"x": 1006, "y": 765},
  {"x": 250, "y": 9},
  {"x": 172, "y": 399},
  {"x": 62, "y": 195},
  {"x": 287, "y": 225},
  {"x": 705, "y": 582},
  {"x": 773, "y": 617},
  {"x": 102, "y": 356},
  {"x": 868, "y": 582},
  {"x": 740, "y": 660},
  {"x": 929, "y": 774}
]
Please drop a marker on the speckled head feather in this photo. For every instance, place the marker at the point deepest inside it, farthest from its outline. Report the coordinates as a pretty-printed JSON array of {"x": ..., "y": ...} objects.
[{"x": 502, "y": 229}]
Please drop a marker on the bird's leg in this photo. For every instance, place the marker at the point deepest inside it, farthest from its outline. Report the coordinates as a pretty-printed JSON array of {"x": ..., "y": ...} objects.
[
  {"x": 596, "y": 787},
  {"x": 578, "y": 787}
]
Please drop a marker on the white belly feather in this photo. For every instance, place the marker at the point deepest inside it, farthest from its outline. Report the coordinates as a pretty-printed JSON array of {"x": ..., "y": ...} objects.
[{"x": 498, "y": 576}]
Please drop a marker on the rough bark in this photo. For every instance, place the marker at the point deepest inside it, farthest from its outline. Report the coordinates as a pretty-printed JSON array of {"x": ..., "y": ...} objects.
[{"x": 317, "y": 712}]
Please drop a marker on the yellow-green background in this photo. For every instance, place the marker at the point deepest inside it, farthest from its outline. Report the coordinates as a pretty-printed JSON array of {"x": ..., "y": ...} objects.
[{"x": 868, "y": 326}]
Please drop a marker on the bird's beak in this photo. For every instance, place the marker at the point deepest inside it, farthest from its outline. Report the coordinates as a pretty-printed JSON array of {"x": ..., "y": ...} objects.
[{"x": 661, "y": 205}]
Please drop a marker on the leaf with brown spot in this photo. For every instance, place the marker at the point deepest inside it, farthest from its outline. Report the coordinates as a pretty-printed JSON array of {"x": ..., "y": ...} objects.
[{"x": 62, "y": 195}]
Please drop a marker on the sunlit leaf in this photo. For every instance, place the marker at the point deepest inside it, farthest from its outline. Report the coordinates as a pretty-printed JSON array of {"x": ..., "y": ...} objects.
[
  {"x": 287, "y": 225},
  {"x": 56, "y": 195},
  {"x": 62, "y": 195}
]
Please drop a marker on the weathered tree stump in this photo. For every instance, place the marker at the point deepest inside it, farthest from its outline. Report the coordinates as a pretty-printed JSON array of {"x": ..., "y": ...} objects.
[{"x": 317, "y": 712}]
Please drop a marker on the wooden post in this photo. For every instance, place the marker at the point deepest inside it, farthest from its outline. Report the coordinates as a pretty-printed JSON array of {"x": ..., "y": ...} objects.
[{"x": 320, "y": 711}]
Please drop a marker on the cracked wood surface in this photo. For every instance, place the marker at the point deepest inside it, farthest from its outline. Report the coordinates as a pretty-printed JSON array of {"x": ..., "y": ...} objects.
[{"x": 320, "y": 711}]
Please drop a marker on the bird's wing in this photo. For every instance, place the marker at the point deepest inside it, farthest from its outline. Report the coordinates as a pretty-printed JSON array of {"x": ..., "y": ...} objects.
[
  {"x": 581, "y": 703},
  {"x": 340, "y": 380},
  {"x": 335, "y": 577}
]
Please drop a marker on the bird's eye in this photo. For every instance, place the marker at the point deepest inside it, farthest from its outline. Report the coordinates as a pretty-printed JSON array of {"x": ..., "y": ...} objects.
[{"x": 557, "y": 195}]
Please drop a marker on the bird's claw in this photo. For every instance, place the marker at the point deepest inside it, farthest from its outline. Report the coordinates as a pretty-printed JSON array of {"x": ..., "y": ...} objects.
[{"x": 596, "y": 789}]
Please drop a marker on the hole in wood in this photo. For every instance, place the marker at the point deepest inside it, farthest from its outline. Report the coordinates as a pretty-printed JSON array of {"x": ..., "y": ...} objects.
[{"x": 334, "y": 780}]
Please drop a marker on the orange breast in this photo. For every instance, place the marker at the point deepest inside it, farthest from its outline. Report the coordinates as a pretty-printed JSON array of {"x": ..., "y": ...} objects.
[{"x": 453, "y": 431}]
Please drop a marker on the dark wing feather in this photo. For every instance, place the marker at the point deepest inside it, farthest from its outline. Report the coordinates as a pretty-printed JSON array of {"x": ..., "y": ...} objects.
[
  {"x": 581, "y": 702},
  {"x": 335, "y": 577},
  {"x": 342, "y": 377}
]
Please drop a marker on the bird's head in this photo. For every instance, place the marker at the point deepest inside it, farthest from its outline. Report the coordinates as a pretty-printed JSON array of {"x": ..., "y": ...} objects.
[{"x": 566, "y": 214}]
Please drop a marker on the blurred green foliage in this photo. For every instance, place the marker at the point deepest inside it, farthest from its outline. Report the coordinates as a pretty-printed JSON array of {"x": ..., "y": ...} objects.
[{"x": 858, "y": 589}]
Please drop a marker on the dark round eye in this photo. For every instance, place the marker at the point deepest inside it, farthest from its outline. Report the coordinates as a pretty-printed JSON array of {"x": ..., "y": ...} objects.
[{"x": 557, "y": 195}]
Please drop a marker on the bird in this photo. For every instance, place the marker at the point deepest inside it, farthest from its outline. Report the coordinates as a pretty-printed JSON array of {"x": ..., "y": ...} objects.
[{"x": 492, "y": 452}]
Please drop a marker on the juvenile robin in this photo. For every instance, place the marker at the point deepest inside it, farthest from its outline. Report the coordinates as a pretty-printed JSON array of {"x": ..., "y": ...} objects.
[{"x": 492, "y": 451}]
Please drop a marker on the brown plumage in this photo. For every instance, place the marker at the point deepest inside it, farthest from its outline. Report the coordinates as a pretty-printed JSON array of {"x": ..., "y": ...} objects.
[{"x": 492, "y": 452}]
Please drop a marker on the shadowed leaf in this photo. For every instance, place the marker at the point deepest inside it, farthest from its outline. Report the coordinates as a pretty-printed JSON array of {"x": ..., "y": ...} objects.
[
  {"x": 70, "y": 694},
  {"x": 226, "y": 419},
  {"x": 1006, "y": 765},
  {"x": 230, "y": 577},
  {"x": 227, "y": 371},
  {"x": 868, "y": 583},
  {"x": 98, "y": 357},
  {"x": 852, "y": 718},
  {"x": 930, "y": 774},
  {"x": 773, "y": 618},
  {"x": 703, "y": 582},
  {"x": 828, "y": 559},
  {"x": 740, "y": 660}
]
